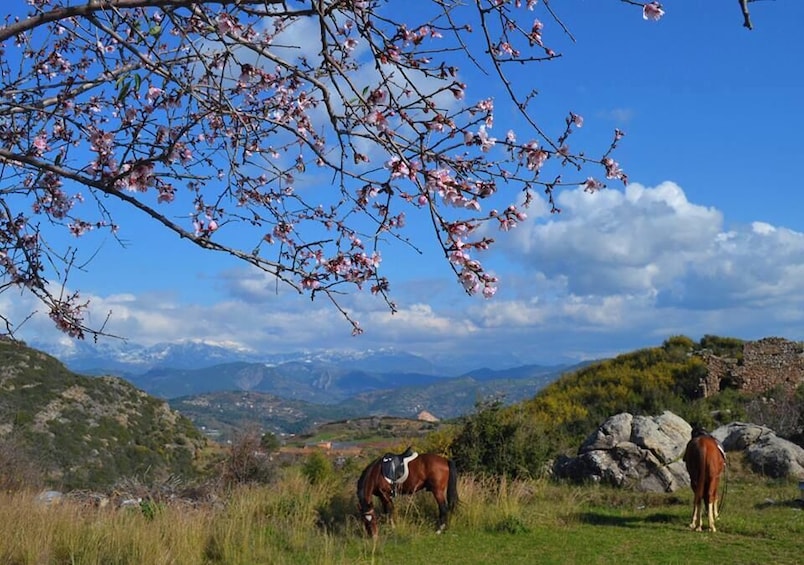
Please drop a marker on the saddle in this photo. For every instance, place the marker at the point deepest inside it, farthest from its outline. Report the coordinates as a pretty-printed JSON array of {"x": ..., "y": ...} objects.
[{"x": 395, "y": 467}]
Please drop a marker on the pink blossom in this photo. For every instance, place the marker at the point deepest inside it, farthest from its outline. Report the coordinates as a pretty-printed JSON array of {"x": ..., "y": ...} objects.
[
  {"x": 225, "y": 24},
  {"x": 536, "y": 33},
  {"x": 458, "y": 90},
  {"x": 398, "y": 167},
  {"x": 166, "y": 193},
  {"x": 613, "y": 170},
  {"x": 153, "y": 94},
  {"x": 105, "y": 48},
  {"x": 486, "y": 105},
  {"x": 40, "y": 143},
  {"x": 534, "y": 155},
  {"x": 378, "y": 118},
  {"x": 652, "y": 11},
  {"x": 592, "y": 185},
  {"x": 486, "y": 142}
]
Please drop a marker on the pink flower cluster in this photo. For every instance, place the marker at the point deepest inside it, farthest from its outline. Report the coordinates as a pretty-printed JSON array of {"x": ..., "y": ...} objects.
[{"x": 652, "y": 11}]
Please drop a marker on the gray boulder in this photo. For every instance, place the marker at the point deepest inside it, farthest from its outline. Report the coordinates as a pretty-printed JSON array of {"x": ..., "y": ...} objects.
[
  {"x": 626, "y": 450},
  {"x": 49, "y": 497},
  {"x": 739, "y": 435},
  {"x": 766, "y": 452}
]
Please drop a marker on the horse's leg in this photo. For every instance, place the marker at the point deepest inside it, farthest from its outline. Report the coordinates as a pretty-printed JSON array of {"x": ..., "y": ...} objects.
[
  {"x": 711, "y": 516},
  {"x": 698, "y": 483},
  {"x": 443, "y": 510},
  {"x": 711, "y": 505},
  {"x": 388, "y": 508},
  {"x": 696, "y": 512}
]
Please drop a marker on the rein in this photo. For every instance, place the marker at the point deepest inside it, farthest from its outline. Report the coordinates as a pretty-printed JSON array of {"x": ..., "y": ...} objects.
[{"x": 725, "y": 485}]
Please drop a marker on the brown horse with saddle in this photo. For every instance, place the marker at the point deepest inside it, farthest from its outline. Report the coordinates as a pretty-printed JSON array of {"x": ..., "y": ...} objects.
[
  {"x": 406, "y": 473},
  {"x": 705, "y": 461}
]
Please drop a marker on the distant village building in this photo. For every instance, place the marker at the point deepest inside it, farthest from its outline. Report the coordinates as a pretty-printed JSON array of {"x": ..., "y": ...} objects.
[
  {"x": 766, "y": 364},
  {"x": 425, "y": 416}
]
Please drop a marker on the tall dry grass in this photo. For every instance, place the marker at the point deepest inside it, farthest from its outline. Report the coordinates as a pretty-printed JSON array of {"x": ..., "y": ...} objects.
[
  {"x": 252, "y": 524},
  {"x": 296, "y": 521},
  {"x": 289, "y": 521}
]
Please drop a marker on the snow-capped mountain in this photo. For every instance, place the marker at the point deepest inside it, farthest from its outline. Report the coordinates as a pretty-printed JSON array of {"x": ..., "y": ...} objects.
[
  {"x": 127, "y": 358},
  {"x": 132, "y": 358}
]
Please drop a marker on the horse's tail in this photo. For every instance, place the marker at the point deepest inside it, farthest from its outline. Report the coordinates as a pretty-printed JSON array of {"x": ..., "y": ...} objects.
[
  {"x": 452, "y": 486},
  {"x": 701, "y": 486}
]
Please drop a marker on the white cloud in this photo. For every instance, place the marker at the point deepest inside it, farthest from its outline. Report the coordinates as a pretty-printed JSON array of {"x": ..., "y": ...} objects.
[{"x": 615, "y": 271}]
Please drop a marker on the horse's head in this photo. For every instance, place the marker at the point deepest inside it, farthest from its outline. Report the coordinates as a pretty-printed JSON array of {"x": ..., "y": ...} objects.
[
  {"x": 365, "y": 492},
  {"x": 369, "y": 517}
]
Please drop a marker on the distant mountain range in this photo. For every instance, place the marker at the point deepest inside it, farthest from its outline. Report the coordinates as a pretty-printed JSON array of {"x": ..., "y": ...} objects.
[
  {"x": 227, "y": 389},
  {"x": 125, "y": 358},
  {"x": 296, "y": 396},
  {"x": 292, "y": 403}
]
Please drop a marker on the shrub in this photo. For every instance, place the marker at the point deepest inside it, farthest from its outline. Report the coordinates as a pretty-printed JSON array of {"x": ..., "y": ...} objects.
[
  {"x": 18, "y": 470},
  {"x": 269, "y": 442},
  {"x": 779, "y": 409},
  {"x": 494, "y": 441},
  {"x": 317, "y": 468},
  {"x": 246, "y": 461}
]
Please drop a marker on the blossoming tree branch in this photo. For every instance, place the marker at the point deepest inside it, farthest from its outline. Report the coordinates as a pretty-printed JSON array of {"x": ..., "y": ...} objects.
[{"x": 294, "y": 135}]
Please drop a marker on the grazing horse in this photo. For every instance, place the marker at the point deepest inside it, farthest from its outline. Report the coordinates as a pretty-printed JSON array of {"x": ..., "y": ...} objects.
[
  {"x": 705, "y": 461},
  {"x": 387, "y": 476}
]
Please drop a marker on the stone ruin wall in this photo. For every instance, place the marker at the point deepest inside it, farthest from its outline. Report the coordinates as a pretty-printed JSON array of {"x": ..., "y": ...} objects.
[{"x": 767, "y": 363}]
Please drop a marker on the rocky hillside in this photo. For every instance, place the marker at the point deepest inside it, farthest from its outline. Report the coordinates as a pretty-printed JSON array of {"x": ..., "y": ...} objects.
[{"x": 82, "y": 432}]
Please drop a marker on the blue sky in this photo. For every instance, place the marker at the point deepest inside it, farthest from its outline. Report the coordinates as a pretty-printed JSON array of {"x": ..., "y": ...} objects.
[{"x": 708, "y": 238}]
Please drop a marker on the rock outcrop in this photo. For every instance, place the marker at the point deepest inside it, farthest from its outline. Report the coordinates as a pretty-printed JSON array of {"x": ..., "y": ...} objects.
[
  {"x": 766, "y": 453},
  {"x": 642, "y": 452},
  {"x": 645, "y": 453}
]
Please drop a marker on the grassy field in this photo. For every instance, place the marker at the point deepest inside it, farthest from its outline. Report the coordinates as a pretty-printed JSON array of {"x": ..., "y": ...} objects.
[{"x": 506, "y": 523}]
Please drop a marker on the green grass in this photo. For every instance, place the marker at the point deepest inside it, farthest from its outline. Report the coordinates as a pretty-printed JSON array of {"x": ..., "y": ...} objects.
[{"x": 294, "y": 522}]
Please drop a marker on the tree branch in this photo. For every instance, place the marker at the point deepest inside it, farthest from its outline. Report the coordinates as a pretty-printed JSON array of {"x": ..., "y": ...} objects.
[{"x": 746, "y": 15}]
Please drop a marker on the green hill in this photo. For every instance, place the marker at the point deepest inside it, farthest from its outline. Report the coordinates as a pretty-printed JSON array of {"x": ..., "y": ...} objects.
[
  {"x": 82, "y": 432},
  {"x": 522, "y": 439}
]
